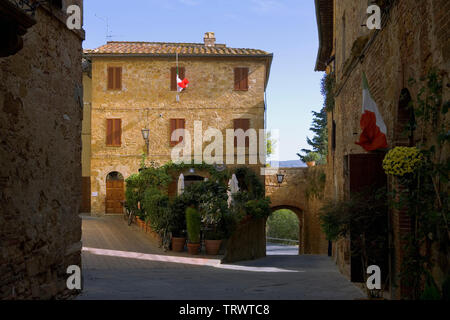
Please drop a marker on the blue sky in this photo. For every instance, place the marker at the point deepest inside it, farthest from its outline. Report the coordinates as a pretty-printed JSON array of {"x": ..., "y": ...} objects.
[{"x": 287, "y": 28}]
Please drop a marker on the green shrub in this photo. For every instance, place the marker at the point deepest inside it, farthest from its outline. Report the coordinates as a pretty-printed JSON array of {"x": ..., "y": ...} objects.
[
  {"x": 310, "y": 156},
  {"x": 193, "y": 222},
  {"x": 283, "y": 224},
  {"x": 258, "y": 208},
  {"x": 155, "y": 203}
]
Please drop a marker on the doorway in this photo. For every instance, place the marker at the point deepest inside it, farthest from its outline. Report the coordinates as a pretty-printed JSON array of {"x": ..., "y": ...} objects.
[{"x": 115, "y": 193}]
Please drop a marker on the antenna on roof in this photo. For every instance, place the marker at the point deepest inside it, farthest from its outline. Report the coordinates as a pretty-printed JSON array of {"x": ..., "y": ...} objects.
[{"x": 108, "y": 35}]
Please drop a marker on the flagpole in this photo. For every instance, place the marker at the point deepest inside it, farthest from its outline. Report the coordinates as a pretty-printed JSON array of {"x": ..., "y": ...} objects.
[{"x": 178, "y": 96}]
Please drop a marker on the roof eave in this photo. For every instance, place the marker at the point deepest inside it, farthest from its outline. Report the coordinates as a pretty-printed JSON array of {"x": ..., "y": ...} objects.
[
  {"x": 170, "y": 55},
  {"x": 322, "y": 56}
]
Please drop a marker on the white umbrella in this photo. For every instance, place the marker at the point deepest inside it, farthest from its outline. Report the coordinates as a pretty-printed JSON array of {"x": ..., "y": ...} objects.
[
  {"x": 180, "y": 184},
  {"x": 233, "y": 187}
]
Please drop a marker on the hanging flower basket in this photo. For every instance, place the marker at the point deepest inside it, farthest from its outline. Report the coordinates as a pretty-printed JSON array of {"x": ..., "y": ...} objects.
[{"x": 402, "y": 161}]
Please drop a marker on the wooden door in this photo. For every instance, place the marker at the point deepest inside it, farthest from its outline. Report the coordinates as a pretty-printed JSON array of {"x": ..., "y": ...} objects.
[
  {"x": 115, "y": 194},
  {"x": 365, "y": 170}
]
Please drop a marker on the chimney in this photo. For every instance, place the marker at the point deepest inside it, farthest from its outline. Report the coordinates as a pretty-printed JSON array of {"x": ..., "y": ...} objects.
[{"x": 210, "y": 39}]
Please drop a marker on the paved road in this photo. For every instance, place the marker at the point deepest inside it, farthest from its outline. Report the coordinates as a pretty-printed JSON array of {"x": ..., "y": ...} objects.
[{"x": 121, "y": 262}]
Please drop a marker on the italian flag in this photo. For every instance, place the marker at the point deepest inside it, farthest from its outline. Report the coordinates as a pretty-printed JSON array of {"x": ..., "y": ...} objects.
[
  {"x": 182, "y": 84},
  {"x": 373, "y": 135}
]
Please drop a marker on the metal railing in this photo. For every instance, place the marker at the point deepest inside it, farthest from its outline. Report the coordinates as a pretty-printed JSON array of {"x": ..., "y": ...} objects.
[{"x": 283, "y": 240}]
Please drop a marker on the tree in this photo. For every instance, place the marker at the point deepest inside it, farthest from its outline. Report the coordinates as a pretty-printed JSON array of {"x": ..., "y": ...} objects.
[{"x": 319, "y": 142}]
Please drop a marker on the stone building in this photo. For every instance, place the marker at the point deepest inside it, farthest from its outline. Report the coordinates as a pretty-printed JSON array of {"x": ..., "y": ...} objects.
[
  {"x": 40, "y": 149},
  {"x": 413, "y": 39},
  {"x": 133, "y": 87}
]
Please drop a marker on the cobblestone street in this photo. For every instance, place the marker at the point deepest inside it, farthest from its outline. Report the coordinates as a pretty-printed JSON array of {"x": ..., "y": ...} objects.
[{"x": 121, "y": 262}]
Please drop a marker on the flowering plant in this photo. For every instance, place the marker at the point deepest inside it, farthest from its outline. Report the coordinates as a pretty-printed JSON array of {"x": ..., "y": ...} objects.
[{"x": 402, "y": 160}]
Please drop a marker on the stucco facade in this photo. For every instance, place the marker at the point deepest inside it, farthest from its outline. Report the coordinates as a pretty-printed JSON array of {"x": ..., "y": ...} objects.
[{"x": 146, "y": 101}]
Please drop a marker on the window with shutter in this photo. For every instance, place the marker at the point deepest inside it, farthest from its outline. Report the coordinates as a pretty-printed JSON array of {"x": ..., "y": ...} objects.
[
  {"x": 114, "y": 78},
  {"x": 113, "y": 132},
  {"x": 243, "y": 124},
  {"x": 174, "y": 125},
  {"x": 241, "y": 79},
  {"x": 173, "y": 77}
]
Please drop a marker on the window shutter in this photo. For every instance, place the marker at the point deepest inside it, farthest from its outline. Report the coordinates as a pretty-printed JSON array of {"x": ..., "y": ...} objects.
[
  {"x": 237, "y": 78},
  {"x": 109, "y": 132},
  {"x": 117, "y": 132},
  {"x": 173, "y": 127},
  {"x": 118, "y": 79},
  {"x": 182, "y": 73},
  {"x": 244, "y": 79},
  {"x": 181, "y": 125},
  {"x": 243, "y": 124},
  {"x": 110, "y": 78},
  {"x": 173, "y": 79}
]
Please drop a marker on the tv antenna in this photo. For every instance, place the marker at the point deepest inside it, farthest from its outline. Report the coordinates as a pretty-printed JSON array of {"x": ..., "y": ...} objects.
[{"x": 108, "y": 35}]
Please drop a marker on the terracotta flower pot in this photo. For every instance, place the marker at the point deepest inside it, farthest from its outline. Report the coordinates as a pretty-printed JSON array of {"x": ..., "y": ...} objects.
[
  {"x": 193, "y": 248},
  {"x": 178, "y": 244},
  {"x": 311, "y": 163},
  {"x": 212, "y": 246}
]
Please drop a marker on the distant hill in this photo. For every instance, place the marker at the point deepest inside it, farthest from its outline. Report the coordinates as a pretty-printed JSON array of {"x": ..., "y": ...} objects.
[{"x": 289, "y": 163}]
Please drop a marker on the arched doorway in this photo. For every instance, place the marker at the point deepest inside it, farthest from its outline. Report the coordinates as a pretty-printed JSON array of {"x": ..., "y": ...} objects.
[
  {"x": 284, "y": 231},
  {"x": 115, "y": 193}
]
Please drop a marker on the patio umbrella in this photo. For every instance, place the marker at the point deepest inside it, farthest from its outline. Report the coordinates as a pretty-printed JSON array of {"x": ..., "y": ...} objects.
[
  {"x": 233, "y": 187},
  {"x": 180, "y": 189}
]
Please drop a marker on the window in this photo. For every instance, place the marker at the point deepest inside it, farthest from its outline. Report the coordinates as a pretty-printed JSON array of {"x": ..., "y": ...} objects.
[
  {"x": 243, "y": 124},
  {"x": 114, "y": 78},
  {"x": 174, "y": 125},
  {"x": 113, "y": 132},
  {"x": 173, "y": 77},
  {"x": 241, "y": 79}
]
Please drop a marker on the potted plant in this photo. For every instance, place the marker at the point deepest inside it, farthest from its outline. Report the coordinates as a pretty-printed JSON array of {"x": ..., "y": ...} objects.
[
  {"x": 213, "y": 242},
  {"x": 310, "y": 158},
  {"x": 193, "y": 221},
  {"x": 177, "y": 224}
]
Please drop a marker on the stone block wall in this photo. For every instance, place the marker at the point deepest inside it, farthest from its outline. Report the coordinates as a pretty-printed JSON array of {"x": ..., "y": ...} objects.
[
  {"x": 40, "y": 152},
  {"x": 146, "y": 101},
  {"x": 402, "y": 49}
]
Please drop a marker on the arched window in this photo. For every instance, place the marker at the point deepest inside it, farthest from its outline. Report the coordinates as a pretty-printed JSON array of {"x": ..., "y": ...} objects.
[{"x": 405, "y": 124}]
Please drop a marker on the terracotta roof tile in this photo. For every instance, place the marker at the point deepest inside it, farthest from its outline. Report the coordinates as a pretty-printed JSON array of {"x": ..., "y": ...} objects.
[{"x": 166, "y": 48}]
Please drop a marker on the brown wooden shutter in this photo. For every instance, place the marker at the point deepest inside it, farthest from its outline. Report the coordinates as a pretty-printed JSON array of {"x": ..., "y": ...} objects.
[
  {"x": 173, "y": 127},
  {"x": 244, "y": 79},
  {"x": 109, "y": 132},
  {"x": 237, "y": 79},
  {"x": 173, "y": 79},
  {"x": 243, "y": 124},
  {"x": 117, "y": 132},
  {"x": 118, "y": 79},
  {"x": 181, "y": 125},
  {"x": 241, "y": 79},
  {"x": 110, "y": 78}
]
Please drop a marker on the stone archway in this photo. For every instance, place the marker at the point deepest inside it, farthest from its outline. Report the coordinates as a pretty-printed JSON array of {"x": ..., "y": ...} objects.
[{"x": 299, "y": 213}]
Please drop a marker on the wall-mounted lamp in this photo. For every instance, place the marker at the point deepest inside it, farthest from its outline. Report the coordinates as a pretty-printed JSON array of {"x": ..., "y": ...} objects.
[
  {"x": 145, "y": 135},
  {"x": 280, "y": 178}
]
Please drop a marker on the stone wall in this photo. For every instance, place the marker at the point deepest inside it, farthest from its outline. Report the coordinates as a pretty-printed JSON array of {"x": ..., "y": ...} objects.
[
  {"x": 40, "y": 151},
  {"x": 146, "y": 101},
  {"x": 403, "y": 49},
  {"x": 291, "y": 194}
]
